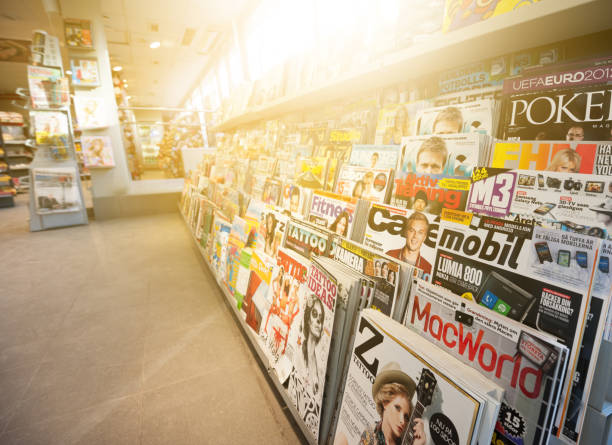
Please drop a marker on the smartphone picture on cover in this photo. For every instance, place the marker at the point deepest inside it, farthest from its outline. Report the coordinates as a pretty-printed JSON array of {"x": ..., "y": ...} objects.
[
  {"x": 563, "y": 258},
  {"x": 540, "y": 180},
  {"x": 582, "y": 259},
  {"x": 604, "y": 264},
  {"x": 544, "y": 209},
  {"x": 543, "y": 252}
]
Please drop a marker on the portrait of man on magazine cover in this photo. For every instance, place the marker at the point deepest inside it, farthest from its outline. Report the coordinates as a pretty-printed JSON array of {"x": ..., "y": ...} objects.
[{"x": 415, "y": 233}]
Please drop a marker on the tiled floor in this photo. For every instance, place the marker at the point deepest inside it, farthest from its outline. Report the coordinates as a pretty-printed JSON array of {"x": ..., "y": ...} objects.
[{"x": 112, "y": 333}]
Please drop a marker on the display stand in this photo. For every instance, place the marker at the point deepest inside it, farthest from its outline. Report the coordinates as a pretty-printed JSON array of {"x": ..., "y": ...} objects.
[
  {"x": 6, "y": 199},
  {"x": 254, "y": 344},
  {"x": 43, "y": 159}
]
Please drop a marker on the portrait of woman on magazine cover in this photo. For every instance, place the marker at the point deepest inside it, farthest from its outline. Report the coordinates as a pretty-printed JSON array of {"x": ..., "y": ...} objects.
[
  {"x": 340, "y": 224},
  {"x": 308, "y": 360},
  {"x": 392, "y": 391}
]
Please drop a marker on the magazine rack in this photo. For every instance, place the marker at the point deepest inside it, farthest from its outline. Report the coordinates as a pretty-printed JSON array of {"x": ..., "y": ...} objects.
[
  {"x": 43, "y": 159},
  {"x": 254, "y": 345}
]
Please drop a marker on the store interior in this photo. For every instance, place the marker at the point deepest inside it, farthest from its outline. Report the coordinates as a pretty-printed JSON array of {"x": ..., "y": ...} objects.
[{"x": 320, "y": 222}]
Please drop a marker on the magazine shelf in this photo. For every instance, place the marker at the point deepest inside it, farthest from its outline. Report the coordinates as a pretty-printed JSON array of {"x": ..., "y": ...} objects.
[
  {"x": 540, "y": 24},
  {"x": 6, "y": 187},
  {"x": 231, "y": 301}
]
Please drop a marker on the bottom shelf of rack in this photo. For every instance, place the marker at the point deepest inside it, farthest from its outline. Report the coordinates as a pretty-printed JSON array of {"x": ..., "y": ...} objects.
[
  {"x": 7, "y": 201},
  {"x": 231, "y": 301}
]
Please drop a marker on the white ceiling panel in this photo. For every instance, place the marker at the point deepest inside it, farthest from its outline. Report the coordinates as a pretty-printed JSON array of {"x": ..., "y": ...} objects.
[
  {"x": 118, "y": 37},
  {"x": 111, "y": 7}
]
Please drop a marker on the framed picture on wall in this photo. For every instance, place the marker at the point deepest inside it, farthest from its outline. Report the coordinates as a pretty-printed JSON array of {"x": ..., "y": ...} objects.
[
  {"x": 91, "y": 112},
  {"x": 97, "y": 152},
  {"x": 85, "y": 72},
  {"x": 78, "y": 33}
]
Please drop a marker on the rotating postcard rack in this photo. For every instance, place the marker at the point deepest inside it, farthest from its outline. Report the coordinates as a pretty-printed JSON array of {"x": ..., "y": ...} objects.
[{"x": 56, "y": 195}]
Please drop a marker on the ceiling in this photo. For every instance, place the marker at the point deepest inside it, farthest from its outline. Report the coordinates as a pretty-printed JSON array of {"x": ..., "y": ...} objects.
[{"x": 187, "y": 30}]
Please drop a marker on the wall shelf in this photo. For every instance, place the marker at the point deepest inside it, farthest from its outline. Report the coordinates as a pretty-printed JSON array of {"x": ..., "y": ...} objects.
[{"x": 538, "y": 24}]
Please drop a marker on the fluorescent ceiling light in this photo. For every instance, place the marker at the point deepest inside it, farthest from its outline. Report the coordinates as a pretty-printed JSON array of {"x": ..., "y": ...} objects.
[
  {"x": 117, "y": 68},
  {"x": 154, "y": 45}
]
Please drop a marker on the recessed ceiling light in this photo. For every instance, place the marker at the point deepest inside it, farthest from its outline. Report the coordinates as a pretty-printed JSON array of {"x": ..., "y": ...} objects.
[
  {"x": 117, "y": 68},
  {"x": 154, "y": 45},
  {"x": 125, "y": 85},
  {"x": 128, "y": 97},
  {"x": 68, "y": 72}
]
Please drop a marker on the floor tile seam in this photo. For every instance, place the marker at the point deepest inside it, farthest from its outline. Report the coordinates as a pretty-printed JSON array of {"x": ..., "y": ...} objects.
[
  {"x": 22, "y": 397},
  {"x": 198, "y": 375},
  {"x": 56, "y": 417}
]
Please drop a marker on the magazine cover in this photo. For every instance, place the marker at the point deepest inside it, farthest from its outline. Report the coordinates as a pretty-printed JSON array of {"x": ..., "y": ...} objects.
[
  {"x": 312, "y": 172},
  {"x": 528, "y": 364},
  {"x": 396, "y": 121},
  {"x": 282, "y": 304},
  {"x": 384, "y": 271},
  {"x": 50, "y": 128},
  {"x": 429, "y": 193},
  {"x": 78, "y": 33},
  {"x": 404, "y": 234},
  {"x": 594, "y": 332},
  {"x": 577, "y": 203},
  {"x": 218, "y": 253},
  {"x": 306, "y": 240},
  {"x": 295, "y": 199},
  {"x": 85, "y": 72},
  {"x": 254, "y": 305},
  {"x": 46, "y": 87},
  {"x": 97, "y": 151},
  {"x": 310, "y": 344},
  {"x": 271, "y": 231},
  {"x": 487, "y": 74},
  {"x": 376, "y": 156},
  {"x": 460, "y": 13},
  {"x": 602, "y": 285},
  {"x": 566, "y": 157},
  {"x": 56, "y": 190},
  {"x": 537, "y": 276},
  {"x": 368, "y": 183},
  {"x": 90, "y": 112},
  {"x": 332, "y": 211},
  {"x": 237, "y": 241},
  {"x": 471, "y": 117},
  {"x": 450, "y": 155},
  {"x": 570, "y": 103},
  {"x": 272, "y": 191},
  {"x": 394, "y": 394}
]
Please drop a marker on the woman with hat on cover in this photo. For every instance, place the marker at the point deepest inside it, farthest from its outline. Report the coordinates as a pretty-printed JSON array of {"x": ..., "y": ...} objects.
[{"x": 392, "y": 391}]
